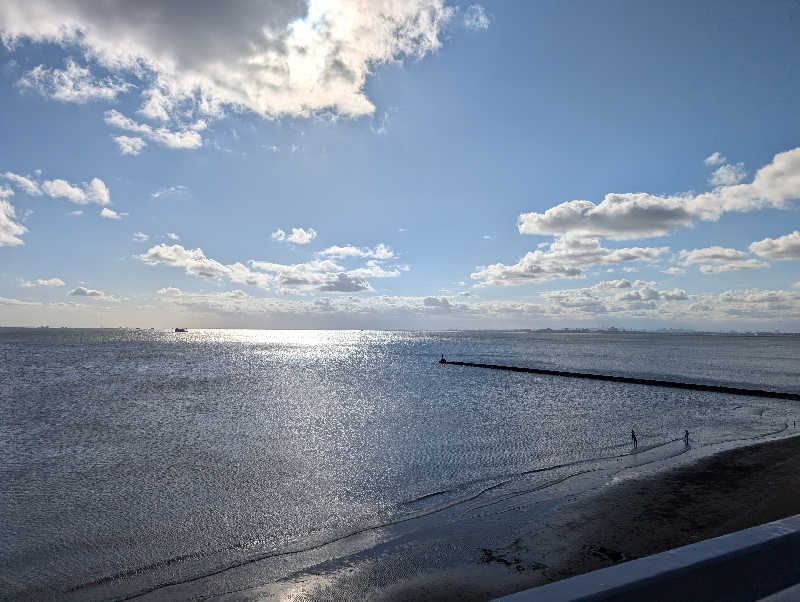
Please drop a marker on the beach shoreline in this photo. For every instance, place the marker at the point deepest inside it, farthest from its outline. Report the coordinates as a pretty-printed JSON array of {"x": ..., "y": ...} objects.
[{"x": 626, "y": 519}]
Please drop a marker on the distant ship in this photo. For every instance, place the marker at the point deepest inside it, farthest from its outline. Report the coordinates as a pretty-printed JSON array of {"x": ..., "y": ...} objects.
[{"x": 180, "y": 330}]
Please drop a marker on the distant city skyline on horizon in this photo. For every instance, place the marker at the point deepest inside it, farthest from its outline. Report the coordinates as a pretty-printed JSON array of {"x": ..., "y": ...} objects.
[{"x": 470, "y": 166}]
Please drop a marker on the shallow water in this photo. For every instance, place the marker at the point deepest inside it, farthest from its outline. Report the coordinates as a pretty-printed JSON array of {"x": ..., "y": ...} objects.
[{"x": 130, "y": 459}]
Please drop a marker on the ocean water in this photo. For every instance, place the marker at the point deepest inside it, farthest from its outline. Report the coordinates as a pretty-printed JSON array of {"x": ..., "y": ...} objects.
[{"x": 135, "y": 459}]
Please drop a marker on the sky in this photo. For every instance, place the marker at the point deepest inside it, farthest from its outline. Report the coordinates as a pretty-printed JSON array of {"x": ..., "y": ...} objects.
[{"x": 418, "y": 164}]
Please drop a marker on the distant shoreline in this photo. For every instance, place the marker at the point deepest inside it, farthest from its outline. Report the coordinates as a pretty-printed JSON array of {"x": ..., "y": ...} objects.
[{"x": 621, "y": 331}]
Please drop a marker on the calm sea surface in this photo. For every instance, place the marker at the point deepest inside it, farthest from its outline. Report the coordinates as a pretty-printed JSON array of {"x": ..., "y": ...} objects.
[{"x": 132, "y": 458}]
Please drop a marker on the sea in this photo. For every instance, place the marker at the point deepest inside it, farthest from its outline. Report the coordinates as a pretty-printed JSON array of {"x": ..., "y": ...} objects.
[{"x": 137, "y": 462}]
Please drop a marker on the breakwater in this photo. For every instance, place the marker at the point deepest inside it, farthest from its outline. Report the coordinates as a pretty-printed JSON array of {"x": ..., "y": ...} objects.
[{"x": 634, "y": 381}]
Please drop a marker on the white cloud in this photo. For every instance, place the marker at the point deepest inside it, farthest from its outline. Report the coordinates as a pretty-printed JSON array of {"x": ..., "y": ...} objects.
[
  {"x": 94, "y": 191},
  {"x": 89, "y": 293},
  {"x": 674, "y": 270},
  {"x": 172, "y": 236},
  {"x": 676, "y": 294},
  {"x": 733, "y": 266},
  {"x": 317, "y": 275},
  {"x": 710, "y": 254},
  {"x": 76, "y": 212},
  {"x": 10, "y": 230},
  {"x": 475, "y": 18},
  {"x": 187, "y": 137},
  {"x": 567, "y": 257},
  {"x": 380, "y": 251},
  {"x": 660, "y": 306},
  {"x": 107, "y": 213},
  {"x": 140, "y": 237},
  {"x": 26, "y": 184},
  {"x": 715, "y": 159},
  {"x": 18, "y": 302},
  {"x": 193, "y": 261},
  {"x": 170, "y": 291},
  {"x": 49, "y": 282},
  {"x": 130, "y": 145},
  {"x": 298, "y": 236},
  {"x": 728, "y": 175},
  {"x": 344, "y": 283},
  {"x": 720, "y": 259},
  {"x": 373, "y": 269},
  {"x": 638, "y": 215},
  {"x": 783, "y": 247},
  {"x": 612, "y": 284},
  {"x": 73, "y": 84},
  {"x": 279, "y": 58},
  {"x": 178, "y": 190}
]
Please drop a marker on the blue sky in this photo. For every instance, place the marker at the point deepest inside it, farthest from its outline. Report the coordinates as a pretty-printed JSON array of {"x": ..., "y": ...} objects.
[{"x": 294, "y": 165}]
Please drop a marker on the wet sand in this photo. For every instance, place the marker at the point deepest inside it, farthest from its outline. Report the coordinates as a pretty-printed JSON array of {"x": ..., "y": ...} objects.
[
  {"x": 727, "y": 492},
  {"x": 636, "y": 517}
]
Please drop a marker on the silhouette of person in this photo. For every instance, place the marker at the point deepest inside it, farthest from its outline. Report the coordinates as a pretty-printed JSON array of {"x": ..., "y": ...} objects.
[
  {"x": 443, "y": 361},
  {"x": 686, "y": 437},
  {"x": 635, "y": 441}
]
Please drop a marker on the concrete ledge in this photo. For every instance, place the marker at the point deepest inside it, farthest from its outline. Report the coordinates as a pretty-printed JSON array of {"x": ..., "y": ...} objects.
[{"x": 742, "y": 566}]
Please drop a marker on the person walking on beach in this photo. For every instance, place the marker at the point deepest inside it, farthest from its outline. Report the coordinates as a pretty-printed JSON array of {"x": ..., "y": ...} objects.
[
  {"x": 633, "y": 437},
  {"x": 686, "y": 437}
]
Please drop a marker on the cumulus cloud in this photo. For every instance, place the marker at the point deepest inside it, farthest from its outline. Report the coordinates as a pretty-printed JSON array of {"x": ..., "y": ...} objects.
[
  {"x": 380, "y": 251},
  {"x": 612, "y": 284},
  {"x": 172, "y": 236},
  {"x": 25, "y": 183},
  {"x": 718, "y": 259},
  {"x": 783, "y": 247},
  {"x": 107, "y": 213},
  {"x": 281, "y": 58},
  {"x": 140, "y": 237},
  {"x": 475, "y": 18},
  {"x": 728, "y": 175},
  {"x": 10, "y": 230},
  {"x": 193, "y": 261},
  {"x": 567, "y": 257},
  {"x": 130, "y": 145},
  {"x": 710, "y": 254},
  {"x": 170, "y": 291},
  {"x": 639, "y": 215},
  {"x": 94, "y": 191},
  {"x": 344, "y": 283},
  {"x": 755, "y": 305},
  {"x": 317, "y": 275},
  {"x": 89, "y": 293},
  {"x": 76, "y": 212},
  {"x": 298, "y": 236},
  {"x": 733, "y": 266},
  {"x": 188, "y": 137},
  {"x": 715, "y": 158},
  {"x": 73, "y": 84},
  {"x": 674, "y": 270},
  {"x": 49, "y": 282}
]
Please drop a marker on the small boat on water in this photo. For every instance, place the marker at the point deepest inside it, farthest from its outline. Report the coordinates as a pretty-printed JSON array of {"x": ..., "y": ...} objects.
[{"x": 180, "y": 330}]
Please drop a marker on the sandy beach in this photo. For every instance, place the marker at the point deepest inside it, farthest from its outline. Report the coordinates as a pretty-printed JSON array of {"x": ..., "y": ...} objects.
[
  {"x": 636, "y": 517},
  {"x": 723, "y": 493},
  {"x": 727, "y": 492}
]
